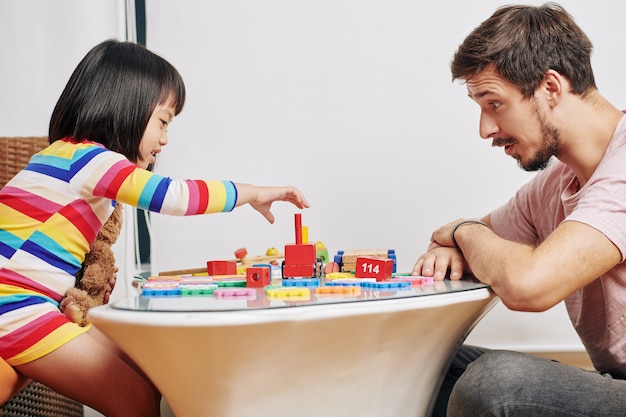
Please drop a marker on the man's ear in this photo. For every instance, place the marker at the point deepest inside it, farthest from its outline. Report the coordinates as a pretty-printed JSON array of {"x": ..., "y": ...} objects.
[{"x": 552, "y": 87}]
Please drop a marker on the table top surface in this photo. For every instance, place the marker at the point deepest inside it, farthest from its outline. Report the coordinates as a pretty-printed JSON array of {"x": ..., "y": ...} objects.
[{"x": 288, "y": 297}]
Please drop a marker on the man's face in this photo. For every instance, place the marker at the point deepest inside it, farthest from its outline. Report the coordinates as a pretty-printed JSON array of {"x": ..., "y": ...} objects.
[{"x": 511, "y": 121}]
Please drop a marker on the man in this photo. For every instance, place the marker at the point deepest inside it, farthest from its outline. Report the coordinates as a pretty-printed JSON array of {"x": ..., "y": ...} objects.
[{"x": 561, "y": 237}]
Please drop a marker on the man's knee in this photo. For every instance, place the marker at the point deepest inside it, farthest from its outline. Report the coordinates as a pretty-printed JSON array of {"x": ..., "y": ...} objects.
[{"x": 493, "y": 379}]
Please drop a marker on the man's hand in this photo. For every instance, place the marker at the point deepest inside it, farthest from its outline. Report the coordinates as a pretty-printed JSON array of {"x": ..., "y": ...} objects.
[{"x": 438, "y": 260}]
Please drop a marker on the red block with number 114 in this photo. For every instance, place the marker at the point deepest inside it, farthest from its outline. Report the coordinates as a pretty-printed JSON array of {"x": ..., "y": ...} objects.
[{"x": 373, "y": 267}]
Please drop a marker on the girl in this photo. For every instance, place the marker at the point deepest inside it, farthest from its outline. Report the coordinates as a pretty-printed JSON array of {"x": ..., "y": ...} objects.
[{"x": 106, "y": 130}]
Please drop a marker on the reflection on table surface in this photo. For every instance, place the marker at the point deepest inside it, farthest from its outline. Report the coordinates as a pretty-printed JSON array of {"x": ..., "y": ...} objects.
[{"x": 259, "y": 298}]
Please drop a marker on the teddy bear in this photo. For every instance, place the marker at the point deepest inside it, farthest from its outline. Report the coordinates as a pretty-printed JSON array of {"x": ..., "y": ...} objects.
[{"x": 97, "y": 270}]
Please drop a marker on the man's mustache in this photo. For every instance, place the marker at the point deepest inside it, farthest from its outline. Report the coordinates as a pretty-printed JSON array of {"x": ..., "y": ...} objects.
[{"x": 502, "y": 142}]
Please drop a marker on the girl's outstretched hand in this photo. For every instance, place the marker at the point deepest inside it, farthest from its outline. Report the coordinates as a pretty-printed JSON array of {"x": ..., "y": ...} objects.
[{"x": 261, "y": 198}]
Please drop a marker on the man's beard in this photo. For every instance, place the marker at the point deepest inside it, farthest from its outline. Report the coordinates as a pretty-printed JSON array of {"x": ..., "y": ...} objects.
[{"x": 551, "y": 146}]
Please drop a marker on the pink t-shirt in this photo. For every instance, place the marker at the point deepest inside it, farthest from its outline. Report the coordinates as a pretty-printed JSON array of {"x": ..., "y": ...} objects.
[{"x": 597, "y": 311}]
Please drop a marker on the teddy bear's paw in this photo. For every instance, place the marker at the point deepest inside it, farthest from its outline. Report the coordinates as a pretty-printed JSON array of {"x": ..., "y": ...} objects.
[{"x": 76, "y": 314}]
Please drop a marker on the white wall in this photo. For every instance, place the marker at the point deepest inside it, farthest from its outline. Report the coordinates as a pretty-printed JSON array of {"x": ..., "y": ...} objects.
[
  {"x": 42, "y": 42},
  {"x": 352, "y": 101}
]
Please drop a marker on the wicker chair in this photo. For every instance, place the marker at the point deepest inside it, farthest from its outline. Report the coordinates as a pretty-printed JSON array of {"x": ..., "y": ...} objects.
[{"x": 35, "y": 400}]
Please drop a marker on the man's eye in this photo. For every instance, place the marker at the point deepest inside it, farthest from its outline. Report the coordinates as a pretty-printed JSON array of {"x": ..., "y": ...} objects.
[
  {"x": 495, "y": 105},
  {"x": 164, "y": 123}
]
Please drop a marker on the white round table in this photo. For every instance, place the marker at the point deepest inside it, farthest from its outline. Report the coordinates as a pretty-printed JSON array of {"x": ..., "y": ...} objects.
[{"x": 379, "y": 355}]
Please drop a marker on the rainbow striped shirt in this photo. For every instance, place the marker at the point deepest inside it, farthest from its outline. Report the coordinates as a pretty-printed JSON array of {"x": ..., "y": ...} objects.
[{"x": 51, "y": 212}]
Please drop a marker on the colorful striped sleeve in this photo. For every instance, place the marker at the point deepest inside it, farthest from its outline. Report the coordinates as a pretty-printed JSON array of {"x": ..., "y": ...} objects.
[{"x": 125, "y": 182}]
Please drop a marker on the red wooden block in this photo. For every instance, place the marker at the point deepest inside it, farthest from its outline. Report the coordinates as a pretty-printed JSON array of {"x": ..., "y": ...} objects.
[
  {"x": 373, "y": 267},
  {"x": 300, "y": 254},
  {"x": 221, "y": 268},
  {"x": 258, "y": 276},
  {"x": 305, "y": 271}
]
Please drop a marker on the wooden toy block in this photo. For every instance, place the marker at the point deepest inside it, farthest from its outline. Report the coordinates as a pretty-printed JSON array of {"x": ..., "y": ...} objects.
[
  {"x": 339, "y": 275},
  {"x": 221, "y": 268},
  {"x": 348, "y": 257},
  {"x": 300, "y": 254},
  {"x": 301, "y": 282},
  {"x": 258, "y": 276},
  {"x": 197, "y": 289},
  {"x": 346, "y": 282},
  {"x": 288, "y": 292},
  {"x": 301, "y": 259},
  {"x": 373, "y": 267},
  {"x": 392, "y": 284},
  {"x": 241, "y": 256},
  {"x": 161, "y": 288},
  {"x": 350, "y": 291},
  {"x": 298, "y": 226},
  {"x": 231, "y": 282},
  {"x": 245, "y": 293},
  {"x": 322, "y": 252},
  {"x": 291, "y": 271},
  {"x": 415, "y": 280}
]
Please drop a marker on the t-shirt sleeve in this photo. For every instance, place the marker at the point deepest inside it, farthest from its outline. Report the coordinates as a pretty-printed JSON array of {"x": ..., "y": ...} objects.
[
  {"x": 546, "y": 201},
  {"x": 602, "y": 203}
]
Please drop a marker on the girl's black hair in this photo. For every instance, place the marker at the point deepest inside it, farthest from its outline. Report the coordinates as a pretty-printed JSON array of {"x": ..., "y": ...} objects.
[{"x": 111, "y": 95}]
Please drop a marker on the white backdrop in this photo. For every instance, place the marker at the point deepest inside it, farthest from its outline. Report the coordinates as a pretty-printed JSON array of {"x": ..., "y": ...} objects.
[
  {"x": 351, "y": 100},
  {"x": 41, "y": 43}
]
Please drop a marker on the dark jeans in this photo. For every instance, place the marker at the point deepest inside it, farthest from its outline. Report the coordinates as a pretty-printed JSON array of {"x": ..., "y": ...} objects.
[{"x": 483, "y": 383}]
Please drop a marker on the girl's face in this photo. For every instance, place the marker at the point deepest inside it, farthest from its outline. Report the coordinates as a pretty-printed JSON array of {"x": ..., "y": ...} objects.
[{"x": 155, "y": 135}]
